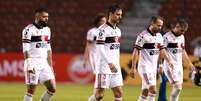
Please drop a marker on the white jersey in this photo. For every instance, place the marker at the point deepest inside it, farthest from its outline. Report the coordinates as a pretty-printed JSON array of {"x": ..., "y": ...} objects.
[
  {"x": 36, "y": 41},
  {"x": 175, "y": 45},
  {"x": 108, "y": 48},
  {"x": 91, "y": 36},
  {"x": 149, "y": 46}
]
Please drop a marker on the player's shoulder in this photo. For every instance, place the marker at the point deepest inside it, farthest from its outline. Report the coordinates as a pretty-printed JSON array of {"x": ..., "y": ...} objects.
[
  {"x": 102, "y": 27},
  {"x": 91, "y": 30},
  {"x": 167, "y": 34},
  {"x": 143, "y": 33},
  {"x": 29, "y": 26}
]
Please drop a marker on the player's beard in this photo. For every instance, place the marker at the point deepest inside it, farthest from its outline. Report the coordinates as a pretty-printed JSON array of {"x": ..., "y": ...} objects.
[{"x": 42, "y": 23}]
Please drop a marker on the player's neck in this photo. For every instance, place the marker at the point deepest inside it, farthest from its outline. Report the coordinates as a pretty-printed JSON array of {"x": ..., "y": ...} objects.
[{"x": 111, "y": 24}]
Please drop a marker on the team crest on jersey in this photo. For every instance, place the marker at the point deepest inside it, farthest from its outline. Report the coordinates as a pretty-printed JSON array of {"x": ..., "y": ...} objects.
[{"x": 100, "y": 34}]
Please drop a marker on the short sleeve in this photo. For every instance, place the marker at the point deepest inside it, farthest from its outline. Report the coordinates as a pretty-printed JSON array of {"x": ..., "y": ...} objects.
[
  {"x": 26, "y": 35},
  {"x": 139, "y": 42}
]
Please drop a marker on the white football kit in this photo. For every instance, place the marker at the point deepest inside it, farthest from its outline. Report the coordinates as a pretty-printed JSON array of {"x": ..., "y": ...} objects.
[
  {"x": 108, "y": 51},
  {"x": 175, "y": 45},
  {"x": 36, "y": 41},
  {"x": 149, "y": 46}
]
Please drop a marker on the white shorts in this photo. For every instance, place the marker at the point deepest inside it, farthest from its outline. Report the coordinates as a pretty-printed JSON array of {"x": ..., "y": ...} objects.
[
  {"x": 174, "y": 75},
  {"x": 150, "y": 80},
  {"x": 43, "y": 72},
  {"x": 108, "y": 80}
]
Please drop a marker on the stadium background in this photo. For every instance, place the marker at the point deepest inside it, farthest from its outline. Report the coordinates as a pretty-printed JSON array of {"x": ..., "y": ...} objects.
[{"x": 70, "y": 20}]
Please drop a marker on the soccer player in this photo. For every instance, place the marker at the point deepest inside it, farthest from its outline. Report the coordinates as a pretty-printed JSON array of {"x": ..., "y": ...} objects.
[
  {"x": 89, "y": 54},
  {"x": 108, "y": 74},
  {"x": 147, "y": 49},
  {"x": 175, "y": 44},
  {"x": 38, "y": 56}
]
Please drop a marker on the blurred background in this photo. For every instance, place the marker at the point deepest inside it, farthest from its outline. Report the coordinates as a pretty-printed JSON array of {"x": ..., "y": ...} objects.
[{"x": 70, "y": 20}]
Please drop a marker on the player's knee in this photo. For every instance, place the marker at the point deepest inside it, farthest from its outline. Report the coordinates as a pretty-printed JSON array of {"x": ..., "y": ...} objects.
[
  {"x": 145, "y": 92},
  {"x": 99, "y": 97},
  {"x": 118, "y": 93},
  {"x": 152, "y": 90},
  {"x": 31, "y": 89},
  {"x": 52, "y": 90}
]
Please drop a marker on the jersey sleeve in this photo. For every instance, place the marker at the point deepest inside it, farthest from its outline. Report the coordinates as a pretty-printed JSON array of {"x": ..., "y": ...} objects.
[
  {"x": 90, "y": 35},
  {"x": 100, "y": 41},
  {"x": 26, "y": 39},
  {"x": 139, "y": 42}
]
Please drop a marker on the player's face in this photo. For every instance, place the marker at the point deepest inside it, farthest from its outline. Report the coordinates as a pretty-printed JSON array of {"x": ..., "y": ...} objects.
[
  {"x": 102, "y": 21},
  {"x": 180, "y": 29},
  {"x": 116, "y": 16},
  {"x": 43, "y": 18},
  {"x": 157, "y": 26}
]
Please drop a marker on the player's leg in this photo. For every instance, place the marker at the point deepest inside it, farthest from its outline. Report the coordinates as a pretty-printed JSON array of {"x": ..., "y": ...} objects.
[
  {"x": 176, "y": 89},
  {"x": 177, "y": 85},
  {"x": 47, "y": 78},
  {"x": 152, "y": 93},
  {"x": 30, "y": 92},
  {"x": 99, "y": 85},
  {"x": 145, "y": 86},
  {"x": 116, "y": 83},
  {"x": 152, "y": 86},
  {"x": 118, "y": 93},
  {"x": 31, "y": 82},
  {"x": 97, "y": 95},
  {"x": 51, "y": 89}
]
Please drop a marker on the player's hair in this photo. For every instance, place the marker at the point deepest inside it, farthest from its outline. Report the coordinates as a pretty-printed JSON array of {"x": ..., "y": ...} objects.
[
  {"x": 98, "y": 17},
  {"x": 155, "y": 18},
  {"x": 40, "y": 10},
  {"x": 113, "y": 8},
  {"x": 181, "y": 22}
]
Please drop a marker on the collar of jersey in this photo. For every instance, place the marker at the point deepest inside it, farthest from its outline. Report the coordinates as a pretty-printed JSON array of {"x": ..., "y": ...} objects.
[
  {"x": 114, "y": 27},
  {"x": 37, "y": 26},
  {"x": 174, "y": 33},
  {"x": 153, "y": 34}
]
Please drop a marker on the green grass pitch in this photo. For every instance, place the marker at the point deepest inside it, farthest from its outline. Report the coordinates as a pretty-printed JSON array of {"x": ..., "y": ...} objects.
[{"x": 72, "y": 92}]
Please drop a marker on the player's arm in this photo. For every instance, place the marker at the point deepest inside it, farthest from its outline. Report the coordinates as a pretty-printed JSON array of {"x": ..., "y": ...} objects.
[
  {"x": 165, "y": 55},
  {"x": 100, "y": 42},
  {"x": 186, "y": 59},
  {"x": 26, "y": 46},
  {"x": 90, "y": 39},
  {"x": 135, "y": 57},
  {"x": 49, "y": 54}
]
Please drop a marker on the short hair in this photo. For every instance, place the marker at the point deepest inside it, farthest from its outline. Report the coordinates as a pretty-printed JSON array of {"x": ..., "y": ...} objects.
[
  {"x": 181, "y": 22},
  {"x": 40, "y": 10},
  {"x": 113, "y": 8},
  {"x": 98, "y": 17},
  {"x": 155, "y": 18}
]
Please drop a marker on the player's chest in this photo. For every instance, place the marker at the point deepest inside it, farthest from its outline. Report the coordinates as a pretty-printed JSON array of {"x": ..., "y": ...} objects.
[{"x": 152, "y": 39}]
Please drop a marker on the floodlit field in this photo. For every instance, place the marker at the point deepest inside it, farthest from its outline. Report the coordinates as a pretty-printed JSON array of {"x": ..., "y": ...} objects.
[{"x": 72, "y": 92}]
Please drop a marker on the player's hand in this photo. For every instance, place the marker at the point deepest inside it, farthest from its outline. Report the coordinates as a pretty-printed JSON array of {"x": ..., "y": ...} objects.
[
  {"x": 192, "y": 73},
  {"x": 31, "y": 71},
  {"x": 171, "y": 65},
  {"x": 132, "y": 72},
  {"x": 112, "y": 68}
]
